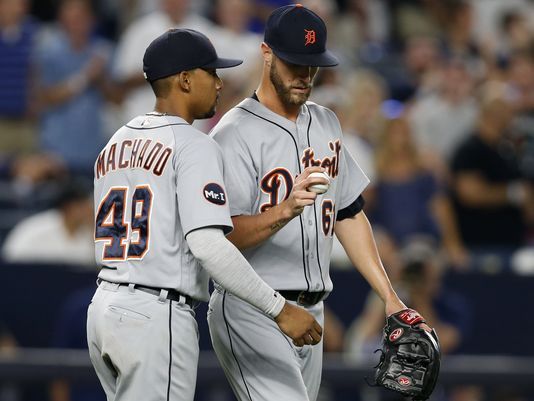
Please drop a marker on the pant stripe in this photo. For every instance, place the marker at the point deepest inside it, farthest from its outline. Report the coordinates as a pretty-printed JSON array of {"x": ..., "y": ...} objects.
[
  {"x": 232, "y": 346},
  {"x": 170, "y": 350}
]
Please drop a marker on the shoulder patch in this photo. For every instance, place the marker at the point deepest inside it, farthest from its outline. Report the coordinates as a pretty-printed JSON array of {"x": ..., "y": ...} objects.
[{"x": 214, "y": 193}]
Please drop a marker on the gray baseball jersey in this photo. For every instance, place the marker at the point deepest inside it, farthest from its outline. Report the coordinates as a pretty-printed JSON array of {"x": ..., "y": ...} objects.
[
  {"x": 156, "y": 180},
  {"x": 263, "y": 153}
]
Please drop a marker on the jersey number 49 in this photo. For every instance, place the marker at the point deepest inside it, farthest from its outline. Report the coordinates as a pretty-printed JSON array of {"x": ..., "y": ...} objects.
[{"x": 111, "y": 225}]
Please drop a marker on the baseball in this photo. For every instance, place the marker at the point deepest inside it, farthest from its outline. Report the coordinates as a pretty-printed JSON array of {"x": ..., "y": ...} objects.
[{"x": 319, "y": 188}]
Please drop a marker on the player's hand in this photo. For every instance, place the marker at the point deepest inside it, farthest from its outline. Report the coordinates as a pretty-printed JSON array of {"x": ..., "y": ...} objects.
[
  {"x": 300, "y": 325},
  {"x": 299, "y": 197}
]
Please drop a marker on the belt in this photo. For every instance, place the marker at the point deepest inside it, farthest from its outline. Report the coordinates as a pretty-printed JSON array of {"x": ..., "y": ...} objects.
[
  {"x": 172, "y": 295},
  {"x": 303, "y": 298}
]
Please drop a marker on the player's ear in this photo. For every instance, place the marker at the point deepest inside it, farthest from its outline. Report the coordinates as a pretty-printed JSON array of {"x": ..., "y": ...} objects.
[
  {"x": 184, "y": 81},
  {"x": 267, "y": 53}
]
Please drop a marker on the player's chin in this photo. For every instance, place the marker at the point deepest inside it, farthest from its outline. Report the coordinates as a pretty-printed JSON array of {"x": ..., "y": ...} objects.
[
  {"x": 300, "y": 97},
  {"x": 210, "y": 113}
]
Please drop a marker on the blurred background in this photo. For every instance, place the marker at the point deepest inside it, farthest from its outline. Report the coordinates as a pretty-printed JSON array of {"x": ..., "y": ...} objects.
[{"x": 436, "y": 102}]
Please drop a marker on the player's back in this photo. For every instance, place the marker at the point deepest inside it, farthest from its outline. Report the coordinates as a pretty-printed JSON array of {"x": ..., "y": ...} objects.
[{"x": 143, "y": 206}]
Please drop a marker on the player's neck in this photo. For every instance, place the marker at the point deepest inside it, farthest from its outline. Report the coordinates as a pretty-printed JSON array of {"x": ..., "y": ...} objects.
[
  {"x": 269, "y": 98},
  {"x": 173, "y": 108}
]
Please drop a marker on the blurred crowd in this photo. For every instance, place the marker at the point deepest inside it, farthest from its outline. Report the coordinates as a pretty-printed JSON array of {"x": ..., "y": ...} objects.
[{"x": 435, "y": 99}]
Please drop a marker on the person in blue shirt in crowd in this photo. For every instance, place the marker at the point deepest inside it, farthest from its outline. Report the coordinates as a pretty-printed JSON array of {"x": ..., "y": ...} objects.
[
  {"x": 71, "y": 67},
  {"x": 17, "y": 36}
]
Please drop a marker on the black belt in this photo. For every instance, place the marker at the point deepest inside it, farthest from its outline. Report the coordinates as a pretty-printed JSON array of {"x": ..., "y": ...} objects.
[
  {"x": 303, "y": 298},
  {"x": 173, "y": 295}
]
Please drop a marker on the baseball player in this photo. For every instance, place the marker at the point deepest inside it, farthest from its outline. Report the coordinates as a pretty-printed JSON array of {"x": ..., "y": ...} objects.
[
  {"x": 272, "y": 143},
  {"x": 161, "y": 215}
]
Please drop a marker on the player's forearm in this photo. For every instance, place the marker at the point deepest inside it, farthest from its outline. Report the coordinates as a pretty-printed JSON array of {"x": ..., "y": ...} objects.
[
  {"x": 356, "y": 237},
  {"x": 250, "y": 231},
  {"x": 227, "y": 266}
]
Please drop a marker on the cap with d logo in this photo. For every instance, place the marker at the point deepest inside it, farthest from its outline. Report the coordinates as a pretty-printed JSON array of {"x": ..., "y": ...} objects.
[{"x": 298, "y": 35}]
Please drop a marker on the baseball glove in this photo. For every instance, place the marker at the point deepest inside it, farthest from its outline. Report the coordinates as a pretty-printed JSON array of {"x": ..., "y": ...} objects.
[{"x": 410, "y": 359}]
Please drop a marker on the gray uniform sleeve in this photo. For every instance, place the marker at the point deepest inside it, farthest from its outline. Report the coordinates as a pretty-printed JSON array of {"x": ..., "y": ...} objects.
[
  {"x": 353, "y": 180},
  {"x": 229, "y": 268},
  {"x": 240, "y": 174},
  {"x": 200, "y": 188}
]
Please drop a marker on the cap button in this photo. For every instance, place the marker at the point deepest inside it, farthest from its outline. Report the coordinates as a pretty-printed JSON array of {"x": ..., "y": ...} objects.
[{"x": 298, "y": 5}]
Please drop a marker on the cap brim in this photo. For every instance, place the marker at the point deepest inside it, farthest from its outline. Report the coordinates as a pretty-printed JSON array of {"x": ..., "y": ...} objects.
[
  {"x": 223, "y": 63},
  {"x": 326, "y": 59}
]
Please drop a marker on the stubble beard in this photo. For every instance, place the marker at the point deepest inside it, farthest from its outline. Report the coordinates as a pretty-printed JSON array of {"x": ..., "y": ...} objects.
[
  {"x": 211, "y": 112},
  {"x": 284, "y": 92}
]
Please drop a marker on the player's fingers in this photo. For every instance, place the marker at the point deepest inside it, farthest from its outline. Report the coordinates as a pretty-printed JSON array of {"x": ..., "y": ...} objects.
[
  {"x": 302, "y": 199},
  {"x": 307, "y": 171},
  {"x": 307, "y": 339},
  {"x": 305, "y": 202},
  {"x": 299, "y": 342},
  {"x": 316, "y": 337},
  {"x": 312, "y": 181},
  {"x": 305, "y": 195},
  {"x": 425, "y": 327},
  {"x": 317, "y": 327}
]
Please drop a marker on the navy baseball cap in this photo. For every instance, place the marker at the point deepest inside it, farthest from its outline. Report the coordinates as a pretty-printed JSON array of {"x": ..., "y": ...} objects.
[
  {"x": 180, "y": 50},
  {"x": 298, "y": 35}
]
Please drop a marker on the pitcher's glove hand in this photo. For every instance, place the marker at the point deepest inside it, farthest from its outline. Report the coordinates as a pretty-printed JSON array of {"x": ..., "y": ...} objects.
[{"x": 410, "y": 359}]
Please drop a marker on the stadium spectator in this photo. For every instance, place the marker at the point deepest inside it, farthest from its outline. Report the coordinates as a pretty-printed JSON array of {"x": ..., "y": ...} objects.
[
  {"x": 412, "y": 71},
  {"x": 520, "y": 90},
  {"x": 70, "y": 68},
  {"x": 17, "y": 35},
  {"x": 444, "y": 117},
  {"x": 232, "y": 37},
  {"x": 361, "y": 116},
  {"x": 415, "y": 18},
  {"x": 497, "y": 28},
  {"x": 459, "y": 40},
  {"x": 128, "y": 66},
  {"x": 490, "y": 192},
  {"x": 517, "y": 34},
  {"x": 60, "y": 235},
  {"x": 406, "y": 199}
]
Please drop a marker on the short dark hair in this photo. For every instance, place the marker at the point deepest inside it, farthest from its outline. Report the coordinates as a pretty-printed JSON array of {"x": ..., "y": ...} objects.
[{"x": 161, "y": 87}]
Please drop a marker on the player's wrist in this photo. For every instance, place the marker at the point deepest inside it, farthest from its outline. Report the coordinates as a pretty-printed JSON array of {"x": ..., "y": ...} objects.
[
  {"x": 393, "y": 304},
  {"x": 282, "y": 214},
  {"x": 286, "y": 212},
  {"x": 278, "y": 306}
]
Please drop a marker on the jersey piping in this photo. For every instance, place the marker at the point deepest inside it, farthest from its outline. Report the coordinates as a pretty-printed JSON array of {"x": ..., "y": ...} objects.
[
  {"x": 232, "y": 345},
  {"x": 170, "y": 350},
  {"x": 159, "y": 126},
  {"x": 315, "y": 211},
  {"x": 305, "y": 268}
]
